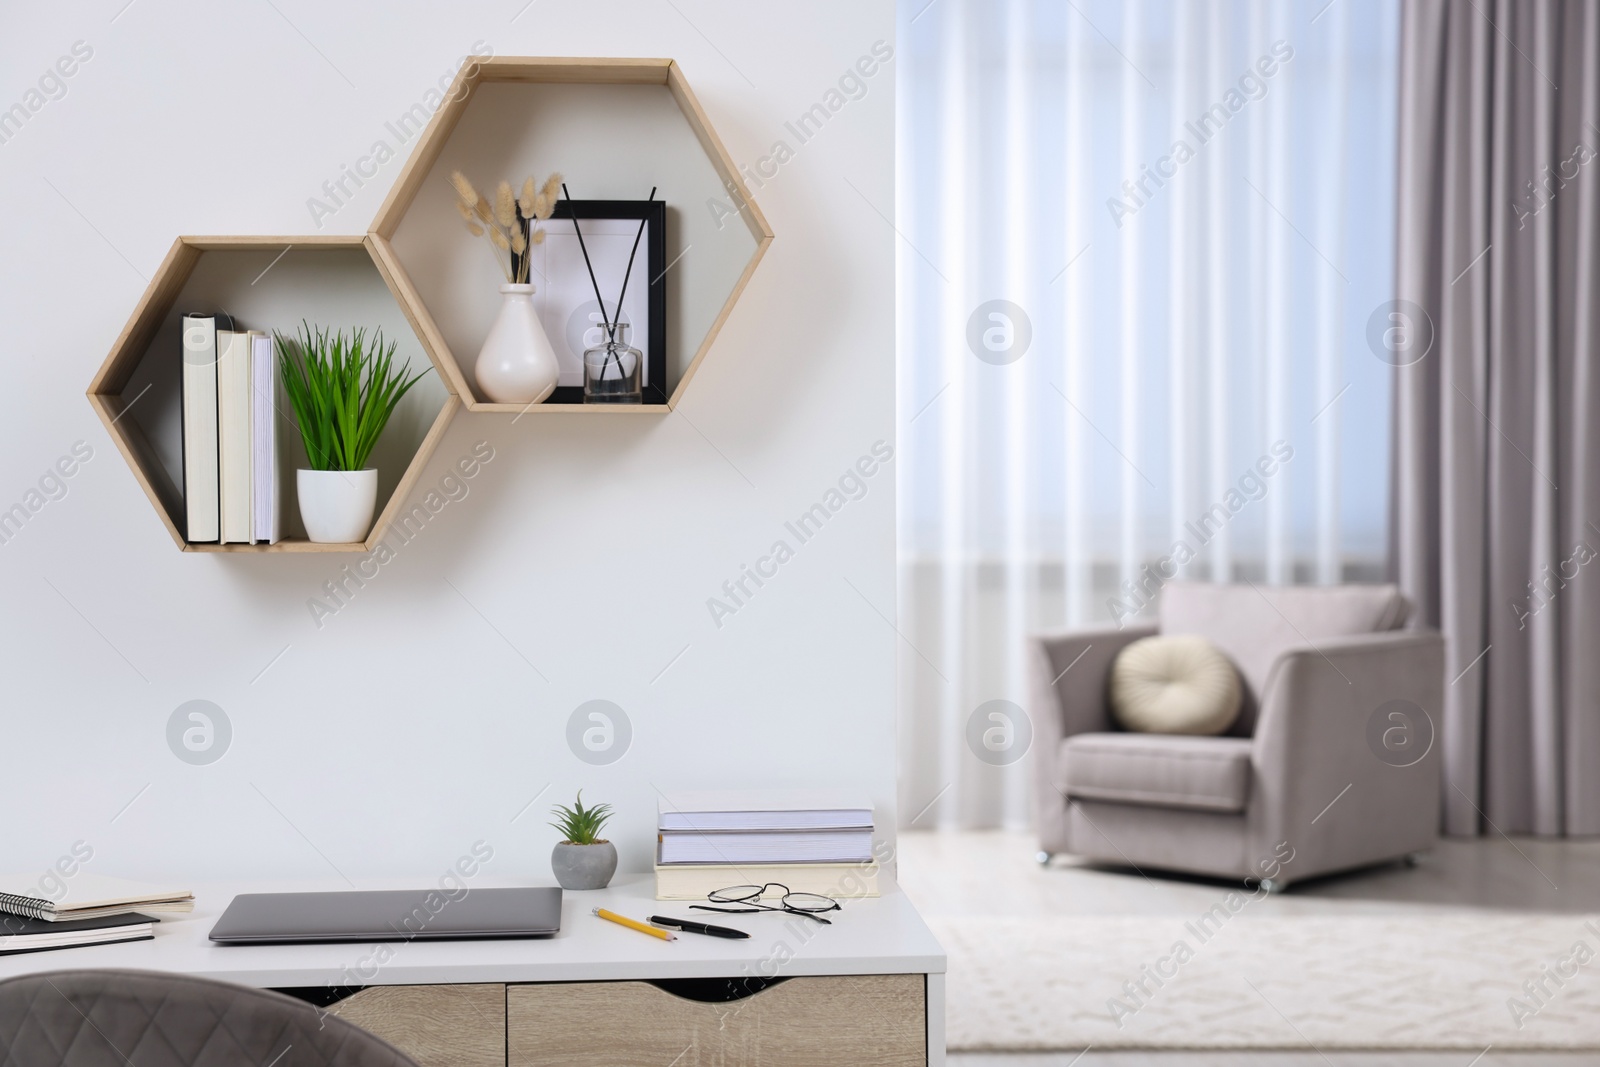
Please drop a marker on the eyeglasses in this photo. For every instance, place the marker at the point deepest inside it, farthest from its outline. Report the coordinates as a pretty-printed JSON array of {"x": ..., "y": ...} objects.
[{"x": 748, "y": 897}]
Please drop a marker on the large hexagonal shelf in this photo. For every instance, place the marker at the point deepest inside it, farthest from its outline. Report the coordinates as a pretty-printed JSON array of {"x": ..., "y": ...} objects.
[
  {"x": 268, "y": 283},
  {"x": 614, "y": 128}
]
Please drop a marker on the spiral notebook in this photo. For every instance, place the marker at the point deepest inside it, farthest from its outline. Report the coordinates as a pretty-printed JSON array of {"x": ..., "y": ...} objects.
[{"x": 88, "y": 896}]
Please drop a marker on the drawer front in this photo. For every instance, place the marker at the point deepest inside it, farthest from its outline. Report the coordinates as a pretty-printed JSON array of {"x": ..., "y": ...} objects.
[
  {"x": 436, "y": 1025},
  {"x": 879, "y": 1019}
]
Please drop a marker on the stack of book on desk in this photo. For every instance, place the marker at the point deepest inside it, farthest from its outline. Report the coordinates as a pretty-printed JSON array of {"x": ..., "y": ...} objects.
[
  {"x": 60, "y": 911},
  {"x": 809, "y": 842}
]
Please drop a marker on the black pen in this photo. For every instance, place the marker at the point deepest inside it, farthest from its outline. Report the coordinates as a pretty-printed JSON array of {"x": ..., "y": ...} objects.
[{"x": 692, "y": 927}]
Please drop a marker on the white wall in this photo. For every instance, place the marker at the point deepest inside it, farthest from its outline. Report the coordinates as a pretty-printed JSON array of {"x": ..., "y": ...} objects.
[{"x": 426, "y": 713}]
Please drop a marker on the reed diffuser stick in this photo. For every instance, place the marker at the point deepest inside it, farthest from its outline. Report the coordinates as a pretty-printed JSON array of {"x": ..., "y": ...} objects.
[
  {"x": 626, "y": 274},
  {"x": 605, "y": 320},
  {"x": 629, "y": 272}
]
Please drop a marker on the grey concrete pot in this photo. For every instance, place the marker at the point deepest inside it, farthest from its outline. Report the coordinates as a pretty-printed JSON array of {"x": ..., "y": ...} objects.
[{"x": 584, "y": 866}]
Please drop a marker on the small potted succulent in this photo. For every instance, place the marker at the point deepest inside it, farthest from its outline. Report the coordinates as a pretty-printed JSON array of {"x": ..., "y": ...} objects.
[{"x": 582, "y": 858}]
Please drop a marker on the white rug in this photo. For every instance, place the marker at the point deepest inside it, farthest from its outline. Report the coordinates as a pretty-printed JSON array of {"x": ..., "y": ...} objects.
[{"x": 1357, "y": 982}]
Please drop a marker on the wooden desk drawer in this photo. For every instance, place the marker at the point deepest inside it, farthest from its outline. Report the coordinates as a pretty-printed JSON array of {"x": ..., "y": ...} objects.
[
  {"x": 436, "y": 1025},
  {"x": 846, "y": 1019}
]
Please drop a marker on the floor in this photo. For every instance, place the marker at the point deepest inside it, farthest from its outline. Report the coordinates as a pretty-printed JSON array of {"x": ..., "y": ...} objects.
[{"x": 994, "y": 873}]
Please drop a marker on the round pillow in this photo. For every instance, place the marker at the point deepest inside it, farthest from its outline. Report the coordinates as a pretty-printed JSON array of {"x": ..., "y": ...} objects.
[{"x": 1179, "y": 684}]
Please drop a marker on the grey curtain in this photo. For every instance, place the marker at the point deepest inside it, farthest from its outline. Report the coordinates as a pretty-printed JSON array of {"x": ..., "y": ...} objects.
[{"x": 1495, "y": 518}]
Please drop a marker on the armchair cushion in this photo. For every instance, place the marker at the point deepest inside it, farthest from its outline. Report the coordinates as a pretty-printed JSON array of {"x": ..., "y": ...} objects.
[
  {"x": 1161, "y": 770},
  {"x": 1174, "y": 684}
]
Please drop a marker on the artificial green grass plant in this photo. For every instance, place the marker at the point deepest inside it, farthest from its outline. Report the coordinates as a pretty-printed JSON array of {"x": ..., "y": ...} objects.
[
  {"x": 342, "y": 392},
  {"x": 579, "y": 825}
]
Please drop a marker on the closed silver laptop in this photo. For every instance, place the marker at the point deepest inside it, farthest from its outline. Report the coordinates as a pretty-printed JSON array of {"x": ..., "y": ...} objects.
[{"x": 390, "y": 915}]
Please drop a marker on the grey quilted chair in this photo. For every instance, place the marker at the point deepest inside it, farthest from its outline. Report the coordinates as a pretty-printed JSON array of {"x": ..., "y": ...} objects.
[
  {"x": 152, "y": 1019},
  {"x": 1298, "y": 787}
]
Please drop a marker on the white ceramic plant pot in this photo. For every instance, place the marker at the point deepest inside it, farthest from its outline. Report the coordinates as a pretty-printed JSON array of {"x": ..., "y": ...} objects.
[
  {"x": 517, "y": 364},
  {"x": 336, "y": 506}
]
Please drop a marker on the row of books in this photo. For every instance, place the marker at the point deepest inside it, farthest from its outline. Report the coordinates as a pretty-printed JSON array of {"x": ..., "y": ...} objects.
[
  {"x": 84, "y": 909},
  {"x": 230, "y": 433},
  {"x": 810, "y": 842}
]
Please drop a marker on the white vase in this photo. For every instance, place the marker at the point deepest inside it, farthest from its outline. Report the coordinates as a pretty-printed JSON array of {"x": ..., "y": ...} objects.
[
  {"x": 517, "y": 364},
  {"x": 336, "y": 506}
]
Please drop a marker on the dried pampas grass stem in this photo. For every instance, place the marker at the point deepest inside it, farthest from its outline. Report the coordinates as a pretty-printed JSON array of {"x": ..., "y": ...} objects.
[
  {"x": 511, "y": 223},
  {"x": 505, "y": 206}
]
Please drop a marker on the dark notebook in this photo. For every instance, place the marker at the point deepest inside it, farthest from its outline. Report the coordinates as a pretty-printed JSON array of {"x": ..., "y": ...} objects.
[{"x": 20, "y": 934}]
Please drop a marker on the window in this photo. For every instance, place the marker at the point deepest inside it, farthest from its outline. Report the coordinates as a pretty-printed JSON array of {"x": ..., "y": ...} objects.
[{"x": 1142, "y": 245}]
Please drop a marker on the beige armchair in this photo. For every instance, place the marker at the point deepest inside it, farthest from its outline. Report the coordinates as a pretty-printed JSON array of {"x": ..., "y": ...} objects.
[{"x": 1329, "y": 767}]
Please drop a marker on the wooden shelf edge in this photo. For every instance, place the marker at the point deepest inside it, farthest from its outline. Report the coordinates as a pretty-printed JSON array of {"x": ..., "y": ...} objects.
[
  {"x": 624, "y": 70},
  {"x": 416, "y": 312},
  {"x": 717, "y": 324},
  {"x": 408, "y": 481},
  {"x": 286, "y": 545},
  {"x": 430, "y": 142},
  {"x": 158, "y": 296},
  {"x": 716, "y": 152},
  {"x": 129, "y": 445},
  {"x": 245, "y": 243},
  {"x": 483, "y": 406}
]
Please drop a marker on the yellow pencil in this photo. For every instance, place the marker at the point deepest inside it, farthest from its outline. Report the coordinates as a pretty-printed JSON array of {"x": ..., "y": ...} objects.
[{"x": 634, "y": 924}]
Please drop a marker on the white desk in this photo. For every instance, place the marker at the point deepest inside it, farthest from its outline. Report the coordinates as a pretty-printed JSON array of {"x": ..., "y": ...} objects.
[{"x": 881, "y": 936}]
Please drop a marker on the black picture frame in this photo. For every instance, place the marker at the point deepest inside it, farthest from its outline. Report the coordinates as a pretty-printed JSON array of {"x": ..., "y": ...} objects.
[{"x": 654, "y": 249}]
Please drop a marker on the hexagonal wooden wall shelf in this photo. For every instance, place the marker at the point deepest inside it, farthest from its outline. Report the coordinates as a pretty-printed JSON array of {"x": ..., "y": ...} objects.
[
  {"x": 266, "y": 283},
  {"x": 614, "y": 128}
]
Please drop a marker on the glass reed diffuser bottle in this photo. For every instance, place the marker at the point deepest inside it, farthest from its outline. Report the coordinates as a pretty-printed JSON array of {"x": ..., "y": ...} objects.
[{"x": 611, "y": 368}]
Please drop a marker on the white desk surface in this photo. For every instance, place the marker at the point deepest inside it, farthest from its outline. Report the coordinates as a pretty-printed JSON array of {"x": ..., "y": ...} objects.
[{"x": 881, "y": 935}]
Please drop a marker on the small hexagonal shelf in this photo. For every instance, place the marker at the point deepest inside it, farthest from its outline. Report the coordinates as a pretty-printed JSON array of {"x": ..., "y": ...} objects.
[
  {"x": 614, "y": 128},
  {"x": 265, "y": 283}
]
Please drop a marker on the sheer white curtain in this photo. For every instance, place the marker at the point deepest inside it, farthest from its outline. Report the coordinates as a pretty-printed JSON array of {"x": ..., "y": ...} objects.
[{"x": 1141, "y": 245}]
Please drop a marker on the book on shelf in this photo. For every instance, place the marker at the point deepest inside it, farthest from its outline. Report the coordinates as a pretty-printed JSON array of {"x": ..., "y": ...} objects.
[
  {"x": 266, "y": 492},
  {"x": 841, "y": 881},
  {"x": 231, "y": 479},
  {"x": 89, "y": 896},
  {"x": 233, "y": 435},
  {"x": 199, "y": 413},
  {"x": 21, "y": 934}
]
